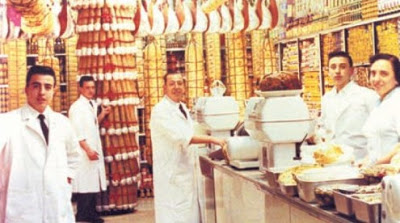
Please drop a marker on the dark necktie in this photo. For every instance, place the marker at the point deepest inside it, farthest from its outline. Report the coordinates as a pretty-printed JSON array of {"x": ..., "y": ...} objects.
[
  {"x": 45, "y": 130},
  {"x": 91, "y": 103},
  {"x": 182, "y": 110}
]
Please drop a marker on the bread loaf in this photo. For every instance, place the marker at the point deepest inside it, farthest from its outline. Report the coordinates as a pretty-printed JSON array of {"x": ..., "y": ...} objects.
[{"x": 280, "y": 81}]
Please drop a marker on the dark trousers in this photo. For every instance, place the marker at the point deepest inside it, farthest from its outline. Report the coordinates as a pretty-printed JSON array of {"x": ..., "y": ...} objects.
[{"x": 86, "y": 207}]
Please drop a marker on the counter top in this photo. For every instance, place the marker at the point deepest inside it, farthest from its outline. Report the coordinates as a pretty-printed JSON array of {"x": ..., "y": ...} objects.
[{"x": 258, "y": 179}]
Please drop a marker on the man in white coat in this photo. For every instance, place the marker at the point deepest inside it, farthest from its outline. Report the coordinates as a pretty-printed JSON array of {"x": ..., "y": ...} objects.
[
  {"x": 38, "y": 157},
  {"x": 346, "y": 107},
  {"x": 91, "y": 178},
  {"x": 175, "y": 189}
]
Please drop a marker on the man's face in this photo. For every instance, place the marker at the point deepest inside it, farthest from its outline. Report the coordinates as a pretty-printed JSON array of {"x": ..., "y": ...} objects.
[
  {"x": 88, "y": 89},
  {"x": 382, "y": 77},
  {"x": 40, "y": 91},
  {"x": 174, "y": 88},
  {"x": 340, "y": 71}
]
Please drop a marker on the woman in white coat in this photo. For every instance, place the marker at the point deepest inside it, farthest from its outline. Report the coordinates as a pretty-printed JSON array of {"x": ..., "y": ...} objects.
[
  {"x": 37, "y": 166},
  {"x": 175, "y": 188},
  {"x": 382, "y": 127}
]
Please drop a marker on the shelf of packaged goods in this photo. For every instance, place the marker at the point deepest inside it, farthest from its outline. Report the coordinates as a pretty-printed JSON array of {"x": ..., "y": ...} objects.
[{"x": 340, "y": 28}]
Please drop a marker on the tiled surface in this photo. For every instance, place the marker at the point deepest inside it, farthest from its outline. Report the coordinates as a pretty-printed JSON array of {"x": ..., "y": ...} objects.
[{"x": 144, "y": 213}]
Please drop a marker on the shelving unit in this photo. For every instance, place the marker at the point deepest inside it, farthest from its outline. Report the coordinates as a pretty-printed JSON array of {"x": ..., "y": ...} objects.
[{"x": 361, "y": 39}]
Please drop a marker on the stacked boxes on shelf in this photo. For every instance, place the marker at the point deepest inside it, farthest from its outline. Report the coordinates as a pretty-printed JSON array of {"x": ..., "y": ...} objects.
[
  {"x": 388, "y": 36},
  {"x": 16, "y": 72},
  {"x": 360, "y": 44},
  {"x": 330, "y": 42},
  {"x": 290, "y": 57}
]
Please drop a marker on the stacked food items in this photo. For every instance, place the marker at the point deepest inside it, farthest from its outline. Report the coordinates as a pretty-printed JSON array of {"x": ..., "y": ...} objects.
[
  {"x": 287, "y": 181},
  {"x": 309, "y": 55},
  {"x": 269, "y": 56},
  {"x": 369, "y": 9},
  {"x": 290, "y": 57},
  {"x": 344, "y": 12},
  {"x": 330, "y": 42},
  {"x": 213, "y": 59},
  {"x": 72, "y": 67},
  {"x": 17, "y": 67},
  {"x": 387, "y": 35},
  {"x": 257, "y": 54},
  {"x": 4, "y": 96},
  {"x": 238, "y": 83},
  {"x": 194, "y": 67},
  {"x": 155, "y": 67},
  {"x": 106, "y": 50},
  {"x": 312, "y": 92},
  {"x": 359, "y": 42},
  {"x": 361, "y": 76}
]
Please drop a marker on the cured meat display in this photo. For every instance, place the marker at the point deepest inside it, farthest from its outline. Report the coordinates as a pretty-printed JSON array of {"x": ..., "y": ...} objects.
[{"x": 106, "y": 51}]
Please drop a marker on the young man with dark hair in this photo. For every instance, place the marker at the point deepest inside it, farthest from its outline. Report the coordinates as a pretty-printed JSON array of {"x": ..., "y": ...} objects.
[
  {"x": 345, "y": 108},
  {"x": 91, "y": 178},
  {"x": 38, "y": 156}
]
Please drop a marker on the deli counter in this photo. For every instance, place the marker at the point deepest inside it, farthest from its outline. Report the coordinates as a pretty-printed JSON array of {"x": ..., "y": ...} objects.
[{"x": 232, "y": 195}]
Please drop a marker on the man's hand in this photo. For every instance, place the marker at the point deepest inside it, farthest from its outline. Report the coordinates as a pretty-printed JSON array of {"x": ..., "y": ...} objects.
[
  {"x": 69, "y": 180},
  {"x": 105, "y": 109},
  {"x": 92, "y": 154}
]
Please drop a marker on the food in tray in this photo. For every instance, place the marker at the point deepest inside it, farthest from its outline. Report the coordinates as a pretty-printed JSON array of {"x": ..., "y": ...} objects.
[
  {"x": 324, "y": 193},
  {"x": 331, "y": 153},
  {"x": 381, "y": 170},
  {"x": 286, "y": 177},
  {"x": 375, "y": 198},
  {"x": 280, "y": 81}
]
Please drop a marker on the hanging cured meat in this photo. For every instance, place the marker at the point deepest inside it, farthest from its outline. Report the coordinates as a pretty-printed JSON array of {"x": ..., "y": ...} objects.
[
  {"x": 266, "y": 18},
  {"x": 226, "y": 19},
  {"x": 239, "y": 21},
  {"x": 273, "y": 8},
  {"x": 158, "y": 24},
  {"x": 211, "y": 5},
  {"x": 201, "y": 24},
  {"x": 3, "y": 20},
  {"x": 173, "y": 23},
  {"x": 215, "y": 22},
  {"x": 254, "y": 20},
  {"x": 14, "y": 23},
  {"x": 188, "y": 22},
  {"x": 144, "y": 27}
]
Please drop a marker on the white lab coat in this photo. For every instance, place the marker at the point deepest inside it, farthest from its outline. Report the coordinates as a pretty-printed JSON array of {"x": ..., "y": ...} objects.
[
  {"x": 175, "y": 191},
  {"x": 344, "y": 115},
  {"x": 91, "y": 176},
  {"x": 382, "y": 127},
  {"x": 33, "y": 175}
]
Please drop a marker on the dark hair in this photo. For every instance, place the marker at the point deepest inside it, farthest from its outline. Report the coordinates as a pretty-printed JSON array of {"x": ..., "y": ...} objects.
[
  {"x": 39, "y": 70},
  {"x": 169, "y": 74},
  {"x": 84, "y": 79},
  {"x": 392, "y": 59},
  {"x": 341, "y": 54}
]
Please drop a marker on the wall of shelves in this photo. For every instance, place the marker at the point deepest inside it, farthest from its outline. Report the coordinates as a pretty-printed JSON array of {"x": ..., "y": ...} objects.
[{"x": 361, "y": 39}]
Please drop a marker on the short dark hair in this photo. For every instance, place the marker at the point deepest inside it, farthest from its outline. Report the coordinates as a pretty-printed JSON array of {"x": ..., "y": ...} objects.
[
  {"x": 169, "y": 74},
  {"x": 84, "y": 79},
  {"x": 39, "y": 70},
  {"x": 340, "y": 54},
  {"x": 392, "y": 59}
]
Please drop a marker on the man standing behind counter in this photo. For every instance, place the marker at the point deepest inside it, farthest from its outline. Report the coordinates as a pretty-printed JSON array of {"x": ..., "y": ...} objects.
[
  {"x": 38, "y": 157},
  {"x": 91, "y": 176},
  {"x": 346, "y": 107},
  {"x": 175, "y": 189}
]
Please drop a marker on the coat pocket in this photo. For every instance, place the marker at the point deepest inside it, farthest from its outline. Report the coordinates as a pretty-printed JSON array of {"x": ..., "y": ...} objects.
[{"x": 22, "y": 206}]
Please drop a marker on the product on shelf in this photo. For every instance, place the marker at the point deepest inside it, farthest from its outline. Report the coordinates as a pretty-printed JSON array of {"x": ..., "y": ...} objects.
[
  {"x": 387, "y": 37},
  {"x": 359, "y": 43},
  {"x": 312, "y": 92},
  {"x": 213, "y": 56},
  {"x": 309, "y": 55},
  {"x": 330, "y": 42},
  {"x": 290, "y": 57}
]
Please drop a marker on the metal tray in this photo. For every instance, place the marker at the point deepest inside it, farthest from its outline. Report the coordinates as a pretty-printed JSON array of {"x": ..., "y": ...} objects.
[
  {"x": 272, "y": 175},
  {"x": 367, "y": 212},
  {"x": 289, "y": 190},
  {"x": 343, "y": 203},
  {"x": 306, "y": 188}
]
